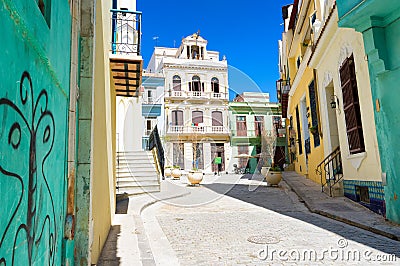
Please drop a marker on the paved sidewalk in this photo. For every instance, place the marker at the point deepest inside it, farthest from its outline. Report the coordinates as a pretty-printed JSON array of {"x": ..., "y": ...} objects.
[
  {"x": 127, "y": 243},
  {"x": 339, "y": 208}
]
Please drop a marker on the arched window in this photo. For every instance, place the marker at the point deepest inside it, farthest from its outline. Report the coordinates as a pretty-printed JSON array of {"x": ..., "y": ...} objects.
[
  {"x": 197, "y": 117},
  {"x": 196, "y": 84},
  {"x": 217, "y": 120},
  {"x": 176, "y": 83},
  {"x": 215, "y": 85}
]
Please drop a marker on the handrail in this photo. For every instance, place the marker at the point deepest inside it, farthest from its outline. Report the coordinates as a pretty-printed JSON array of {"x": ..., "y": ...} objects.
[
  {"x": 155, "y": 142},
  {"x": 332, "y": 166}
]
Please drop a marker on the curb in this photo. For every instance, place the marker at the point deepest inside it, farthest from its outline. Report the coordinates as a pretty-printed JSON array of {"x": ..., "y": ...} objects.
[
  {"x": 341, "y": 219},
  {"x": 148, "y": 204}
]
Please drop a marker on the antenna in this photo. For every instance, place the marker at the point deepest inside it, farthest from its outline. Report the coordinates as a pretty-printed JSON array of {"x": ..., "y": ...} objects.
[{"x": 155, "y": 39}]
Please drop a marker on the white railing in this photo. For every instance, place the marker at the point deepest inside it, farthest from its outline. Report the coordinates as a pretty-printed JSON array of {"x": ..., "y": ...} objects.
[
  {"x": 197, "y": 94},
  {"x": 176, "y": 129},
  {"x": 177, "y": 93},
  {"x": 198, "y": 129},
  {"x": 216, "y": 95},
  {"x": 217, "y": 129}
]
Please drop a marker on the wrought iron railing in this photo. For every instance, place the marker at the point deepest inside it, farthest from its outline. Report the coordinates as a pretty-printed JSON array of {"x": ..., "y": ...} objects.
[
  {"x": 126, "y": 32},
  {"x": 330, "y": 170},
  {"x": 155, "y": 142}
]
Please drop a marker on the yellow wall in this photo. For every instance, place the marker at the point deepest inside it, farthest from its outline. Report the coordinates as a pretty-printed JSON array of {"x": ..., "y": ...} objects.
[
  {"x": 300, "y": 80},
  {"x": 341, "y": 43},
  {"x": 317, "y": 153},
  {"x": 103, "y": 193}
]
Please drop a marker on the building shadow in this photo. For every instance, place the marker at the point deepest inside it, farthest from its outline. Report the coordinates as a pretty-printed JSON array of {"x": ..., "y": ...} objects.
[
  {"x": 275, "y": 199},
  {"x": 108, "y": 255}
]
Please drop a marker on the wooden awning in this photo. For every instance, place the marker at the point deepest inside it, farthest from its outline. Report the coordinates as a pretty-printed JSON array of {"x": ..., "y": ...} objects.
[{"x": 127, "y": 74}]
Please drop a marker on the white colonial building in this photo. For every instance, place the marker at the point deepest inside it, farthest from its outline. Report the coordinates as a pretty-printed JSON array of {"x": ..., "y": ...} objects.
[{"x": 195, "y": 103}]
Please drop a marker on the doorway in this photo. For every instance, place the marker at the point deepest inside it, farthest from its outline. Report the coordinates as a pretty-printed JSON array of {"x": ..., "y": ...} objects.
[
  {"x": 217, "y": 150},
  {"x": 333, "y": 140}
]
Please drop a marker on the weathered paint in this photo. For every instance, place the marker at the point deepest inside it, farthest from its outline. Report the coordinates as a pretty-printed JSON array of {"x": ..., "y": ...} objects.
[
  {"x": 33, "y": 133},
  {"x": 379, "y": 23}
]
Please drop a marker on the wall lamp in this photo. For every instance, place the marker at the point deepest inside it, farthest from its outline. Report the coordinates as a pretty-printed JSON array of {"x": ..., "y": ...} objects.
[{"x": 335, "y": 102}]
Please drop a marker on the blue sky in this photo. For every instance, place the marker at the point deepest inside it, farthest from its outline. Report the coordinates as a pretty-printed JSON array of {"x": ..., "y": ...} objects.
[{"x": 247, "y": 32}]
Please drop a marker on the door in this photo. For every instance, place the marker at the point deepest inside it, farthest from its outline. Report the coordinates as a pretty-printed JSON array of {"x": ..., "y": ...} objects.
[{"x": 218, "y": 150}]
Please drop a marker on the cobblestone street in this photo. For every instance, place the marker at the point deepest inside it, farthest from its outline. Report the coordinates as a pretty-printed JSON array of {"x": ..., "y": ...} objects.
[{"x": 233, "y": 221}]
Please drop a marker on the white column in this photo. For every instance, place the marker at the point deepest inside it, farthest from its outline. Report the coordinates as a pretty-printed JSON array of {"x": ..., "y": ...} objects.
[
  {"x": 207, "y": 157},
  {"x": 188, "y": 155},
  {"x": 229, "y": 160}
]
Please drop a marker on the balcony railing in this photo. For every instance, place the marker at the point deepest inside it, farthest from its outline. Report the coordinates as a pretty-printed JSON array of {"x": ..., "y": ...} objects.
[
  {"x": 198, "y": 129},
  {"x": 197, "y": 94},
  {"x": 126, "y": 32}
]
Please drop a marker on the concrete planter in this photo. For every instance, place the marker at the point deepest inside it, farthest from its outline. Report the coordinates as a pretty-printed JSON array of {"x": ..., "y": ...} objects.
[
  {"x": 176, "y": 173},
  {"x": 273, "y": 178},
  {"x": 195, "y": 177},
  {"x": 167, "y": 172}
]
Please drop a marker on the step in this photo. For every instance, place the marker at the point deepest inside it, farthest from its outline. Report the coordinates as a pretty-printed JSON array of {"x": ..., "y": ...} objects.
[
  {"x": 138, "y": 178},
  {"x": 136, "y": 183},
  {"x": 138, "y": 190}
]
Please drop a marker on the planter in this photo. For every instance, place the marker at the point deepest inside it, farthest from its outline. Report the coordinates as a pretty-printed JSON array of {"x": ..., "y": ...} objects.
[
  {"x": 176, "y": 173},
  {"x": 167, "y": 172},
  {"x": 195, "y": 177},
  {"x": 264, "y": 170},
  {"x": 273, "y": 178}
]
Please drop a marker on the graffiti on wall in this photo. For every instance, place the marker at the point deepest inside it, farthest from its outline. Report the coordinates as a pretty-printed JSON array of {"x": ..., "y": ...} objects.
[{"x": 28, "y": 234}]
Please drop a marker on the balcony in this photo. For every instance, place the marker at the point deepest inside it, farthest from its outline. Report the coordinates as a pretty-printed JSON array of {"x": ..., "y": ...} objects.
[
  {"x": 126, "y": 64},
  {"x": 196, "y": 95},
  {"x": 282, "y": 90},
  {"x": 198, "y": 130}
]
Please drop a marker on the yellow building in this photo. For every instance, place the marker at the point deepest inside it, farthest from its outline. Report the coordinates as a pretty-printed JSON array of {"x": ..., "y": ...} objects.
[
  {"x": 303, "y": 121},
  {"x": 349, "y": 127}
]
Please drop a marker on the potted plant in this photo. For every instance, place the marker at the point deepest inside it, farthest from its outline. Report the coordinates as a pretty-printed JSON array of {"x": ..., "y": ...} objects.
[
  {"x": 168, "y": 171},
  {"x": 195, "y": 176},
  {"x": 274, "y": 175},
  {"x": 313, "y": 130},
  {"x": 176, "y": 172}
]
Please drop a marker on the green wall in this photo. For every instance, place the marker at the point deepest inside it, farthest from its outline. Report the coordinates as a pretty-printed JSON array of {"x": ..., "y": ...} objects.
[
  {"x": 380, "y": 25},
  {"x": 34, "y": 91}
]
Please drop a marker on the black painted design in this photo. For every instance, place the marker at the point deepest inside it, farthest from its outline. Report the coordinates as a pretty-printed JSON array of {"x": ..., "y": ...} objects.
[{"x": 32, "y": 224}]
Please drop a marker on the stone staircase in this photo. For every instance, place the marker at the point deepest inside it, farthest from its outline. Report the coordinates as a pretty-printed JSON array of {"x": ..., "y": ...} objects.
[{"x": 136, "y": 173}]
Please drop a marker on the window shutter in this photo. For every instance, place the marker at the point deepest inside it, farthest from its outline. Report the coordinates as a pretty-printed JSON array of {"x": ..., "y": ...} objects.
[{"x": 351, "y": 106}]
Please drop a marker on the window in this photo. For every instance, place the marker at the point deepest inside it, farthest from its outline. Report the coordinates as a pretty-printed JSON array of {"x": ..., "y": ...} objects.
[
  {"x": 351, "y": 106},
  {"x": 314, "y": 114},
  {"x": 195, "y": 52},
  {"x": 298, "y": 130},
  {"x": 241, "y": 126},
  {"x": 177, "y": 118},
  {"x": 243, "y": 150},
  {"x": 178, "y": 154},
  {"x": 215, "y": 85},
  {"x": 176, "y": 83},
  {"x": 197, "y": 117},
  {"x": 198, "y": 158},
  {"x": 196, "y": 85},
  {"x": 258, "y": 125},
  {"x": 148, "y": 127},
  {"x": 217, "y": 120}
]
